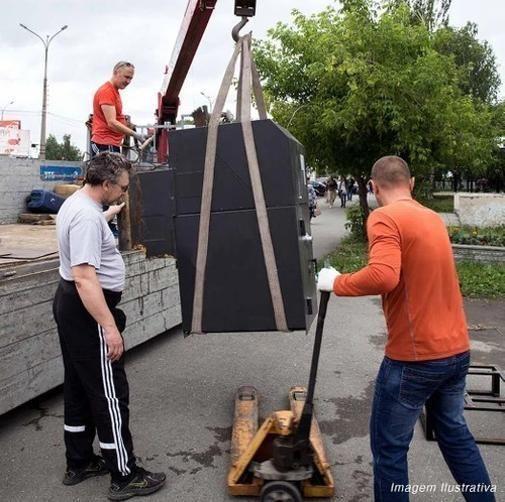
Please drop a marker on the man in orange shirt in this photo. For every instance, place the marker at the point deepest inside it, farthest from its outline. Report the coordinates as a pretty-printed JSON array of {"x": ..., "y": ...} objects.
[
  {"x": 109, "y": 124},
  {"x": 427, "y": 351}
]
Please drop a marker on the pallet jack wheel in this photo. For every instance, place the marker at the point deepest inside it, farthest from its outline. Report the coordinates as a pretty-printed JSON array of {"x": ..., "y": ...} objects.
[{"x": 280, "y": 491}]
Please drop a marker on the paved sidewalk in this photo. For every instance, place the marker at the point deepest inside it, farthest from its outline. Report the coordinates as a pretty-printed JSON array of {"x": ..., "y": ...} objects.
[{"x": 182, "y": 404}]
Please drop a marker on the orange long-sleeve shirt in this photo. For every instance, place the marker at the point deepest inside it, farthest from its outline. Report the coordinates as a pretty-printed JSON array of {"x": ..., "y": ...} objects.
[{"x": 412, "y": 266}]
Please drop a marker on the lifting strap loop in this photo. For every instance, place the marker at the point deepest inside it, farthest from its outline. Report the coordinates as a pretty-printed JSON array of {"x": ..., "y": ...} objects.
[
  {"x": 208, "y": 184},
  {"x": 257, "y": 187},
  {"x": 248, "y": 75}
]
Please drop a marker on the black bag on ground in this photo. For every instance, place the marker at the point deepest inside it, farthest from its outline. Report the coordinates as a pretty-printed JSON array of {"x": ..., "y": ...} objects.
[{"x": 44, "y": 201}]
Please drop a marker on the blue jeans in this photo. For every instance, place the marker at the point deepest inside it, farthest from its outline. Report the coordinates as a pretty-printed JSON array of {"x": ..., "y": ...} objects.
[{"x": 401, "y": 391}]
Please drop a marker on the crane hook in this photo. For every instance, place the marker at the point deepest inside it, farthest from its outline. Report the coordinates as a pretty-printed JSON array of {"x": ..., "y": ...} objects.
[{"x": 238, "y": 27}]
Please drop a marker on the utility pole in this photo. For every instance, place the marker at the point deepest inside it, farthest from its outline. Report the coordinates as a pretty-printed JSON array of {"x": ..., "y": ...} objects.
[
  {"x": 5, "y": 108},
  {"x": 46, "y": 42}
]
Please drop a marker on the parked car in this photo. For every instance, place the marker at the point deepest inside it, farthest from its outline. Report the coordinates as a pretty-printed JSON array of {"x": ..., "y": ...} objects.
[{"x": 319, "y": 187}]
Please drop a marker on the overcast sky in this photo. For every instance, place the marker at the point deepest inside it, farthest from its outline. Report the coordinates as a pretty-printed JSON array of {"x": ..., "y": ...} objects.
[{"x": 101, "y": 33}]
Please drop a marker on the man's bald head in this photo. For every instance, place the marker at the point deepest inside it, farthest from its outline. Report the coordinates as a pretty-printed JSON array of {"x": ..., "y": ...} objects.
[{"x": 391, "y": 172}]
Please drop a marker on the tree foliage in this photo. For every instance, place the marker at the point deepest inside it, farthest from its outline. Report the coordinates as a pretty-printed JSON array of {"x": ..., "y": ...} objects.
[
  {"x": 479, "y": 75},
  {"x": 433, "y": 13},
  {"x": 358, "y": 83},
  {"x": 61, "y": 151}
]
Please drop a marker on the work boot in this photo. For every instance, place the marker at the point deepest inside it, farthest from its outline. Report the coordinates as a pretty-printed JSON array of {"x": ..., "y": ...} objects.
[
  {"x": 143, "y": 483},
  {"x": 95, "y": 468}
]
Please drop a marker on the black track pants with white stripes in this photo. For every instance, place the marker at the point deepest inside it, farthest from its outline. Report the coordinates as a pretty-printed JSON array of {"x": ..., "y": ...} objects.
[{"x": 95, "y": 390}]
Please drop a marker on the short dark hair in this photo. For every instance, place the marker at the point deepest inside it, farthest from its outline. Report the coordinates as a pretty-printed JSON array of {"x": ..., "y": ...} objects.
[
  {"x": 391, "y": 171},
  {"x": 106, "y": 166}
]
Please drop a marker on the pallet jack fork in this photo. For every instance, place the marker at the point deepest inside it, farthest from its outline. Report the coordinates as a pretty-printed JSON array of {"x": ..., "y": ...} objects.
[{"x": 285, "y": 457}]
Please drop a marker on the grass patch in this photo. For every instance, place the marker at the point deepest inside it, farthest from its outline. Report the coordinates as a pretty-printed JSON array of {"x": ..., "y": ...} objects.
[
  {"x": 351, "y": 255},
  {"x": 481, "y": 280},
  {"x": 478, "y": 280},
  {"x": 442, "y": 204}
]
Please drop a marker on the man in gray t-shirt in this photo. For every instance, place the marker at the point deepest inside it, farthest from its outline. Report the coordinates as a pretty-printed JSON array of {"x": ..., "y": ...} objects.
[
  {"x": 80, "y": 221},
  {"x": 89, "y": 327}
]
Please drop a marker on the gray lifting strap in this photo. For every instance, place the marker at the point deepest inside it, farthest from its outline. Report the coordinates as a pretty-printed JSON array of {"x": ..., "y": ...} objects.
[{"x": 248, "y": 73}]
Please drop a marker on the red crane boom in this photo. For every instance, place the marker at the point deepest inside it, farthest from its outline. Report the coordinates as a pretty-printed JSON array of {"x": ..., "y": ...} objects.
[
  {"x": 193, "y": 26},
  {"x": 196, "y": 18}
]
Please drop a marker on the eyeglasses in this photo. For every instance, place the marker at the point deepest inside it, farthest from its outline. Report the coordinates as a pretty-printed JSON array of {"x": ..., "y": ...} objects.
[{"x": 124, "y": 188}]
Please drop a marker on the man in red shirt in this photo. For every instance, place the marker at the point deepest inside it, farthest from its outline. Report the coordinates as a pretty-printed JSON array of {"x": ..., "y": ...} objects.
[
  {"x": 427, "y": 351},
  {"x": 109, "y": 125}
]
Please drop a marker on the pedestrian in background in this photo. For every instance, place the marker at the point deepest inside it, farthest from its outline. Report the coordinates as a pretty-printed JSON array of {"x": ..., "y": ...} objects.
[
  {"x": 351, "y": 183},
  {"x": 312, "y": 197},
  {"x": 342, "y": 191},
  {"x": 427, "y": 351},
  {"x": 331, "y": 190}
]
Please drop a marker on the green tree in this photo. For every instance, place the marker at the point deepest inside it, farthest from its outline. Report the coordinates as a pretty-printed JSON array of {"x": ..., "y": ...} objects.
[
  {"x": 476, "y": 60},
  {"x": 53, "y": 149},
  {"x": 61, "y": 151},
  {"x": 69, "y": 151},
  {"x": 358, "y": 83},
  {"x": 433, "y": 13},
  {"x": 496, "y": 171}
]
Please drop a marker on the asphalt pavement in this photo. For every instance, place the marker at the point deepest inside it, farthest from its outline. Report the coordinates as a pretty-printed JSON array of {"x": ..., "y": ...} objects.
[{"x": 181, "y": 411}]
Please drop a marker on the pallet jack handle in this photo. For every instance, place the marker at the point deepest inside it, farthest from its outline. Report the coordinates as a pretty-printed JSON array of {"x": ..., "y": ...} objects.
[{"x": 303, "y": 430}]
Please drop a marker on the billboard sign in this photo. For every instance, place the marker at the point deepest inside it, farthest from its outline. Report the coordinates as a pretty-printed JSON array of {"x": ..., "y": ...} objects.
[
  {"x": 14, "y": 124},
  {"x": 60, "y": 173},
  {"x": 14, "y": 141}
]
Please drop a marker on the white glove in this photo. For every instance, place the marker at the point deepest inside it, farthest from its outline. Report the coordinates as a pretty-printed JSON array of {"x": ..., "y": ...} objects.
[{"x": 326, "y": 278}]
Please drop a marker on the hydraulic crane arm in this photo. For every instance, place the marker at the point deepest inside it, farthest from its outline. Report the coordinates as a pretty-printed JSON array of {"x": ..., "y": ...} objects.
[
  {"x": 193, "y": 26},
  {"x": 196, "y": 18},
  {"x": 195, "y": 22}
]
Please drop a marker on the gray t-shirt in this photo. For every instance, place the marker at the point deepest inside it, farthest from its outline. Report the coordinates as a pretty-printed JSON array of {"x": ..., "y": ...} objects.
[{"x": 85, "y": 237}]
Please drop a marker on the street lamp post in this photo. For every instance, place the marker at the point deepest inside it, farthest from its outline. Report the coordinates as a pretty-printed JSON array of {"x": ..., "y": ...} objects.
[
  {"x": 46, "y": 42},
  {"x": 5, "y": 108},
  {"x": 208, "y": 98}
]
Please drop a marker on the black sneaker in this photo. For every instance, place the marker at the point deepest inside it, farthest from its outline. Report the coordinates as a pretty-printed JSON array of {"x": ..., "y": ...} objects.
[
  {"x": 95, "y": 468},
  {"x": 143, "y": 483}
]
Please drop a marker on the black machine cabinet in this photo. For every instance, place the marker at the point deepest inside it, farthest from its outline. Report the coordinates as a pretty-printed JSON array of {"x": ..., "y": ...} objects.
[
  {"x": 236, "y": 295},
  {"x": 152, "y": 211}
]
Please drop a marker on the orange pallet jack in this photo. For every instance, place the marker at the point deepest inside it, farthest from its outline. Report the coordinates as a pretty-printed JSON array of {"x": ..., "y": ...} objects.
[{"x": 284, "y": 459}]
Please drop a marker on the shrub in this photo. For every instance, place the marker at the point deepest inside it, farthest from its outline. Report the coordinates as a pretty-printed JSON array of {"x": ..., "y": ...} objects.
[
  {"x": 356, "y": 222},
  {"x": 492, "y": 236}
]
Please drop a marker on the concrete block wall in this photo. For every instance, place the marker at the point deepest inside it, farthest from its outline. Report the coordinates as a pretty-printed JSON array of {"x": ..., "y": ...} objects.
[
  {"x": 30, "y": 356},
  {"x": 18, "y": 177},
  {"x": 480, "y": 209},
  {"x": 483, "y": 254}
]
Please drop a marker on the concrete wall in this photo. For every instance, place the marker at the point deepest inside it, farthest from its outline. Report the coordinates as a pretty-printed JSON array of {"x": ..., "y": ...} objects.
[
  {"x": 484, "y": 254},
  {"x": 18, "y": 177},
  {"x": 480, "y": 209},
  {"x": 30, "y": 357}
]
